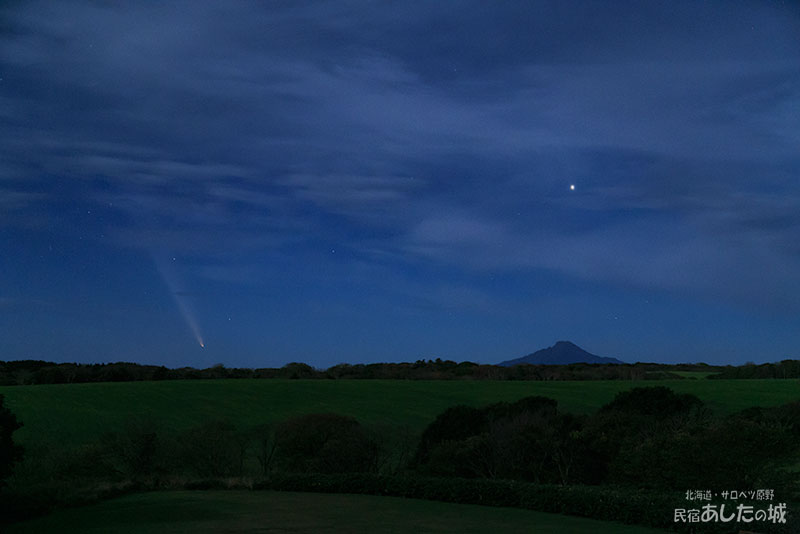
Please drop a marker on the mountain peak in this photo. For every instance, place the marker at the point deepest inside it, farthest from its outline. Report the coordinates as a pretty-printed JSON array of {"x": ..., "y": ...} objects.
[
  {"x": 562, "y": 353},
  {"x": 566, "y": 344}
]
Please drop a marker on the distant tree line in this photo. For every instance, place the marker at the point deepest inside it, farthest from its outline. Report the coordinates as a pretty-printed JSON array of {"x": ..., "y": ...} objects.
[
  {"x": 29, "y": 372},
  {"x": 783, "y": 369}
]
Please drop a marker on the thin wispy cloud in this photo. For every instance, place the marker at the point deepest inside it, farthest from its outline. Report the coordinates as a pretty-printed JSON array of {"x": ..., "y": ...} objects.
[{"x": 434, "y": 142}]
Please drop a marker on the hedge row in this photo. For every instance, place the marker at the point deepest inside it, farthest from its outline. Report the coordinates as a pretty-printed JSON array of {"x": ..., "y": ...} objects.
[
  {"x": 612, "y": 504},
  {"x": 44, "y": 498},
  {"x": 626, "y": 505}
]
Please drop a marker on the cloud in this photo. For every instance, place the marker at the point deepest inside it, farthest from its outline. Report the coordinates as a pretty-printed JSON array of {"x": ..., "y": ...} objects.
[
  {"x": 16, "y": 200},
  {"x": 739, "y": 268},
  {"x": 418, "y": 132},
  {"x": 371, "y": 199}
]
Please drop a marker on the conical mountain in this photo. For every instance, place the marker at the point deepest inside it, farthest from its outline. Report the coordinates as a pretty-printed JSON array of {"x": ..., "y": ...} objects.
[{"x": 562, "y": 353}]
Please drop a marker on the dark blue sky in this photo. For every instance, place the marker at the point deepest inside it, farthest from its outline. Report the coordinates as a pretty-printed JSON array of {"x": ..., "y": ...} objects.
[{"x": 388, "y": 181}]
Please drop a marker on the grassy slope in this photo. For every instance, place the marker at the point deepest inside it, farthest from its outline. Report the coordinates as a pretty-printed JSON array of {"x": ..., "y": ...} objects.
[
  {"x": 78, "y": 412},
  {"x": 242, "y": 511}
]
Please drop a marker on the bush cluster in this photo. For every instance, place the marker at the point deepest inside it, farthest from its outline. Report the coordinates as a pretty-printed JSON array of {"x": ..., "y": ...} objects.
[
  {"x": 645, "y": 438},
  {"x": 10, "y": 452}
]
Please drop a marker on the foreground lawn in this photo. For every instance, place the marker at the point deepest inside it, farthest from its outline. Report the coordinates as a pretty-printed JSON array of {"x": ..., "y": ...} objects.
[
  {"x": 245, "y": 511},
  {"x": 76, "y": 413}
]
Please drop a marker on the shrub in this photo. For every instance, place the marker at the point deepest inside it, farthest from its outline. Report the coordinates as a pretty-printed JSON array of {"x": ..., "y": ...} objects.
[
  {"x": 263, "y": 437},
  {"x": 211, "y": 449},
  {"x": 525, "y": 440},
  {"x": 658, "y": 402},
  {"x": 454, "y": 424},
  {"x": 137, "y": 450},
  {"x": 325, "y": 443},
  {"x": 10, "y": 452}
]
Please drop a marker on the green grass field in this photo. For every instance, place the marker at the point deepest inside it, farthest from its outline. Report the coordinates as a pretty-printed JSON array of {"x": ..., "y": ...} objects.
[
  {"x": 199, "y": 512},
  {"x": 76, "y": 413}
]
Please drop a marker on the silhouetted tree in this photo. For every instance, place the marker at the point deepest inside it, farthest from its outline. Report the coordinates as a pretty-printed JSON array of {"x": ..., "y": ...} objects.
[
  {"x": 658, "y": 402},
  {"x": 325, "y": 443},
  {"x": 264, "y": 437},
  {"x": 296, "y": 370},
  {"x": 10, "y": 452},
  {"x": 454, "y": 424},
  {"x": 135, "y": 451},
  {"x": 211, "y": 449}
]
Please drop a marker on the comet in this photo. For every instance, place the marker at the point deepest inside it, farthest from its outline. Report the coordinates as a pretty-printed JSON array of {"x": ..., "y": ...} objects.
[{"x": 173, "y": 281}]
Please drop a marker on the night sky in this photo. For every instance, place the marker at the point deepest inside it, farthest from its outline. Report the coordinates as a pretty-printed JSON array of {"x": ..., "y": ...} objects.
[{"x": 355, "y": 182}]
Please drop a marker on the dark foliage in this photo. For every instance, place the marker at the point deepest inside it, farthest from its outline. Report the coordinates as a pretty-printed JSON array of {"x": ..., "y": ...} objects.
[
  {"x": 654, "y": 402},
  {"x": 296, "y": 370},
  {"x": 325, "y": 443},
  {"x": 210, "y": 450},
  {"x": 10, "y": 452},
  {"x": 450, "y": 427},
  {"x": 29, "y": 372},
  {"x": 783, "y": 369},
  {"x": 525, "y": 440},
  {"x": 264, "y": 446},
  {"x": 137, "y": 450},
  {"x": 645, "y": 438}
]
